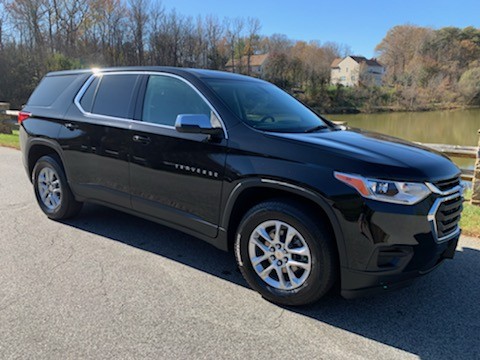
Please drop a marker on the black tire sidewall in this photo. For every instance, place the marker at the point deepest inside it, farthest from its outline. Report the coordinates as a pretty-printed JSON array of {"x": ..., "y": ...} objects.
[
  {"x": 318, "y": 240},
  {"x": 62, "y": 211}
]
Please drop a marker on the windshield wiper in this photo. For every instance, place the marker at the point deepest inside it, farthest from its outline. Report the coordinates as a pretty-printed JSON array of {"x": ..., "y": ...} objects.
[{"x": 316, "y": 128}]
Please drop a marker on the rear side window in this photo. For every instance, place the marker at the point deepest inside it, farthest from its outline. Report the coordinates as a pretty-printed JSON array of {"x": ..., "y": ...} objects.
[
  {"x": 89, "y": 96},
  {"x": 114, "y": 95},
  {"x": 49, "y": 89},
  {"x": 167, "y": 97}
]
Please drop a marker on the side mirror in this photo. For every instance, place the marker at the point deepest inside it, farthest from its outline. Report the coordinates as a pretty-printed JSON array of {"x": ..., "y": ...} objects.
[{"x": 196, "y": 124}]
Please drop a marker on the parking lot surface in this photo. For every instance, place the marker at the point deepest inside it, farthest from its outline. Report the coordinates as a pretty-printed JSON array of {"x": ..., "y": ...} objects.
[{"x": 107, "y": 285}]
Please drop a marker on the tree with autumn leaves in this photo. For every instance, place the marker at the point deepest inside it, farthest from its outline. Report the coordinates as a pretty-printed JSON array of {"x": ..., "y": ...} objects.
[
  {"x": 428, "y": 67},
  {"x": 425, "y": 67}
]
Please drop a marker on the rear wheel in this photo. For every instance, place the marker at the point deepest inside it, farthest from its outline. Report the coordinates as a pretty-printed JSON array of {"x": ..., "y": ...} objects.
[
  {"x": 285, "y": 254},
  {"x": 52, "y": 191}
]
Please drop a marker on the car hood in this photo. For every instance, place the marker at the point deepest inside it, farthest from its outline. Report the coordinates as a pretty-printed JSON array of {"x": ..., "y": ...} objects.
[{"x": 373, "y": 154}]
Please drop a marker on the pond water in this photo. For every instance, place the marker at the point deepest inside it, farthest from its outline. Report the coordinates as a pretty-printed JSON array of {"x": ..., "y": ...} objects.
[{"x": 457, "y": 127}]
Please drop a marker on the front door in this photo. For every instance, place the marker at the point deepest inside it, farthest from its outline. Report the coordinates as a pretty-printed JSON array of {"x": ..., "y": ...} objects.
[{"x": 173, "y": 176}]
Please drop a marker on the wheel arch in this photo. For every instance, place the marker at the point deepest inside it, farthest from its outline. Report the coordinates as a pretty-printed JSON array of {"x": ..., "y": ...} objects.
[
  {"x": 250, "y": 192},
  {"x": 41, "y": 147}
]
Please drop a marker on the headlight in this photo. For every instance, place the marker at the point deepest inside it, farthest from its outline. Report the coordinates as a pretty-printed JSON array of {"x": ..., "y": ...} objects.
[{"x": 397, "y": 192}]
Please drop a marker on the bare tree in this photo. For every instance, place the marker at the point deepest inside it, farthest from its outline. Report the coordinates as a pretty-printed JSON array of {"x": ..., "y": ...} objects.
[
  {"x": 234, "y": 30},
  {"x": 278, "y": 44},
  {"x": 107, "y": 34},
  {"x": 139, "y": 20},
  {"x": 28, "y": 18},
  {"x": 213, "y": 36},
  {"x": 68, "y": 18},
  {"x": 166, "y": 40},
  {"x": 253, "y": 25},
  {"x": 157, "y": 17}
]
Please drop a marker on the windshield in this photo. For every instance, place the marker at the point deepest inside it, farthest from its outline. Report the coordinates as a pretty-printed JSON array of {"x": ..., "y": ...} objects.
[{"x": 265, "y": 107}]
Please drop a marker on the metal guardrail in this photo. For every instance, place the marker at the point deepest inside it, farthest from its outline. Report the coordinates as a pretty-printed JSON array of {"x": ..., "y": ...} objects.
[
  {"x": 454, "y": 150},
  {"x": 457, "y": 151},
  {"x": 8, "y": 117},
  {"x": 12, "y": 113}
]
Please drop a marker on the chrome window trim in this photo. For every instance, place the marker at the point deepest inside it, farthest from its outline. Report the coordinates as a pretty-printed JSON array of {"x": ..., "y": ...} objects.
[
  {"x": 432, "y": 214},
  {"x": 85, "y": 86}
]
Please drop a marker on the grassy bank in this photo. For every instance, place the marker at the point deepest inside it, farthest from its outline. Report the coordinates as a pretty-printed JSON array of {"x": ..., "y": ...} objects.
[
  {"x": 360, "y": 99},
  {"x": 470, "y": 222},
  {"x": 10, "y": 140}
]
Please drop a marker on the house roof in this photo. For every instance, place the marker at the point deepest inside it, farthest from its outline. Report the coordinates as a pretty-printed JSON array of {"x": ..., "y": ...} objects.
[
  {"x": 336, "y": 62},
  {"x": 369, "y": 62},
  {"x": 358, "y": 59},
  {"x": 255, "y": 60}
]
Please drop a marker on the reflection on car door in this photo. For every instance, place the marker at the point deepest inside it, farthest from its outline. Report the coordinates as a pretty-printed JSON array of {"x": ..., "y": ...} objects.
[
  {"x": 96, "y": 139},
  {"x": 174, "y": 176}
]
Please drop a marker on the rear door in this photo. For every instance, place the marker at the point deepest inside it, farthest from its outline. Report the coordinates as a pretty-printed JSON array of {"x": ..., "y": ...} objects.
[
  {"x": 95, "y": 138},
  {"x": 176, "y": 177}
]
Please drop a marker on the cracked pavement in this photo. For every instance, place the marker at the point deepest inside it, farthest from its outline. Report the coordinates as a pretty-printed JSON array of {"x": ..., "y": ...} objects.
[{"x": 107, "y": 285}]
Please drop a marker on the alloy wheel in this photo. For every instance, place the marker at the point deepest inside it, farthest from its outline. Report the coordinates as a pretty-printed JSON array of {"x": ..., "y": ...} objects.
[
  {"x": 279, "y": 255},
  {"x": 49, "y": 188}
]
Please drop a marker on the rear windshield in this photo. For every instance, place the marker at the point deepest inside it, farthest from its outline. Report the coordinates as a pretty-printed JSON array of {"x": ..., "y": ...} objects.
[
  {"x": 50, "y": 89},
  {"x": 265, "y": 107}
]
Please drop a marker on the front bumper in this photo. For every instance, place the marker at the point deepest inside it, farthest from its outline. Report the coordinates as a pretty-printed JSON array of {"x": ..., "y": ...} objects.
[
  {"x": 365, "y": 283},
  {"x": 389, "y": 245}
]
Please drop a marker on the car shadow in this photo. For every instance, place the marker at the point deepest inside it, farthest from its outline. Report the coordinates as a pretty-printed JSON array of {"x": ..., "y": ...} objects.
[
  {"x": 437, "y": 317},
  {"x": 157, "y": 239}
]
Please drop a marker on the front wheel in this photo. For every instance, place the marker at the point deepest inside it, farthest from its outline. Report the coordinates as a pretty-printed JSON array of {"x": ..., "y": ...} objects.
[
  {"x": 285, "y": 254},
  {"x": 52, "y": 191}
]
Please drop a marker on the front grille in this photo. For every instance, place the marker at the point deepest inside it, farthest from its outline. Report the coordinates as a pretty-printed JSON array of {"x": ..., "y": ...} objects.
[
  {"x": 446, "y": 185},
  {"x": 448, "y": 216}
]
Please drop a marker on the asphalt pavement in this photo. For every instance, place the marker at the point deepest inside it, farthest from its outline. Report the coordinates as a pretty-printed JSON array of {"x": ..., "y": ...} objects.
[{"x": 107, "y": 285}]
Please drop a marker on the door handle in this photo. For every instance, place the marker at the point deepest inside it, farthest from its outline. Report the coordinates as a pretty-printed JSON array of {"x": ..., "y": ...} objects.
[
  {"x": 71, "y": 126},
  {"x": 145, "y": 140}
]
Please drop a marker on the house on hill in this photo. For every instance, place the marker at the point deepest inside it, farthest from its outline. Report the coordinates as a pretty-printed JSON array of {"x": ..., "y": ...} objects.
[
  {"x": 356, "y": 70},
  {"x": 257, "y": 64}
]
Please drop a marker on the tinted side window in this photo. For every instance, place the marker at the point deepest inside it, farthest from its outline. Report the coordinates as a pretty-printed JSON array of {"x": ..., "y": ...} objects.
[
  {"x": 114, "y": 95},
  {"x": 167, "y": 97},
  {"x": 50, "y": 89},
  {"x": 87, "y": 99}
]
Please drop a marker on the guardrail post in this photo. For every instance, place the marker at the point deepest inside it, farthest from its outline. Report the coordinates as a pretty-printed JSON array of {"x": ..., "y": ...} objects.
[
  {"x": 5, "y": 128},
  {"x": 476, "y": 178}
]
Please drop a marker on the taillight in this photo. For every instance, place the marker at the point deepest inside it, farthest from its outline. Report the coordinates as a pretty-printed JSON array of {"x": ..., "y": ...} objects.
[{"x": 23, "y": 115}]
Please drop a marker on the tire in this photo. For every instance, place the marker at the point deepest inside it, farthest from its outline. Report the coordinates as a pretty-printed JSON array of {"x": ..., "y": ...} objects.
[
  {"x": 304, "y": 254},
  {"x": 52, "y": 191}
]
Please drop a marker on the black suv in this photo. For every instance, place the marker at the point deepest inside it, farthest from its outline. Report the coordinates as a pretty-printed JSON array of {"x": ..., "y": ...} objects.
[{"x": 239, "y": 163}]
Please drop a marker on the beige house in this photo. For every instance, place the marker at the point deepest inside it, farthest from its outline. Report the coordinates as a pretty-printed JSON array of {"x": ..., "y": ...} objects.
[
  {"x": 257, "y": 64},
  {"x": 356, "y": 70}
]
